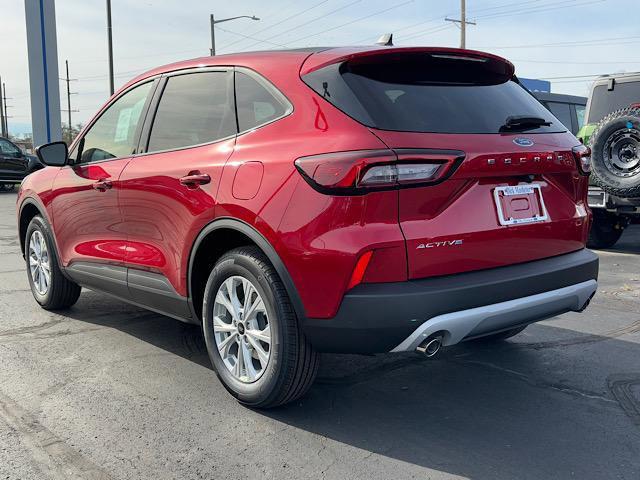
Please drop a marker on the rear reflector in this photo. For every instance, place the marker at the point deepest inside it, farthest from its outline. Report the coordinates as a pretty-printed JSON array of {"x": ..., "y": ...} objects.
[
  {"x": 582, "y": 154},
  {"x": 358, "y": 172},
  {"x": 360, "y": 269}
]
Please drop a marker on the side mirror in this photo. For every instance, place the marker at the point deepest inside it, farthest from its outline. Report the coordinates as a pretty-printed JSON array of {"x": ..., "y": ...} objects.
[{"x": 53, "y": 154}]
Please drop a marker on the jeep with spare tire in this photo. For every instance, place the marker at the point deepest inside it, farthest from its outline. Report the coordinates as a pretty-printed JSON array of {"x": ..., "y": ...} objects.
[{"x": 612, "y": 131}]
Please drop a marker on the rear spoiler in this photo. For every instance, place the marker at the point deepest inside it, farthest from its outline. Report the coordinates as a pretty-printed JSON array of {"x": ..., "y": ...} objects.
[{"x": 344, "y": 54}]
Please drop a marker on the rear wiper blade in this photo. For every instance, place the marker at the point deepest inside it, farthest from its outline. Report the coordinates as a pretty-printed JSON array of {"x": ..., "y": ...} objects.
[{"x": 521, "y": 122}]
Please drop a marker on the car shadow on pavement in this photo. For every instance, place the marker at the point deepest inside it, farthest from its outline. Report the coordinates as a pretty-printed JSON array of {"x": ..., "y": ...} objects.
[
  {"x": 629, "y": 242},
  {"x": 485, "y": 411},
  {"x": 511, "y": 409}
]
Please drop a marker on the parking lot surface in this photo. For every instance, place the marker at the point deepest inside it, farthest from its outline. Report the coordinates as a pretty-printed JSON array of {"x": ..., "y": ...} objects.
[{"x": 110, "y": 391}]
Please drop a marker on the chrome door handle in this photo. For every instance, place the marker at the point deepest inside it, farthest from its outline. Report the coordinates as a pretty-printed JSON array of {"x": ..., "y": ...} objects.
[
  {"x": 194, "y": 179},
  {"x": 102, "y": 185}
]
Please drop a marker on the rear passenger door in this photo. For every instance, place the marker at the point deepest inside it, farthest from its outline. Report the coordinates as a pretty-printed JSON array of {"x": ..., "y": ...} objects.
[{"x": 168, "y": 192}]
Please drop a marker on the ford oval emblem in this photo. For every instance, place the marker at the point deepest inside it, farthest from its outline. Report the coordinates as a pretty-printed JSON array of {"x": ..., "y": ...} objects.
[{"x": 523, "y": 142}]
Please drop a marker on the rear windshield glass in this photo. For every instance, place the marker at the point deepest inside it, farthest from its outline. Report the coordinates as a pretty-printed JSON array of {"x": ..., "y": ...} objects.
[
  {"x": 420, "y": 92},
  {"x": 604, "y": 101}
]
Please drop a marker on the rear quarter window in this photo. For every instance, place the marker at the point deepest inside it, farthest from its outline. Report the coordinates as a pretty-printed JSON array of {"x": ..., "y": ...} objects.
[{"x": 257, "y": 102}]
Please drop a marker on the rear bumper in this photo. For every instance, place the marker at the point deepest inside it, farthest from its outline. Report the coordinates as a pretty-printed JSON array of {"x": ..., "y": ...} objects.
[{"x": 398, "y": 316}]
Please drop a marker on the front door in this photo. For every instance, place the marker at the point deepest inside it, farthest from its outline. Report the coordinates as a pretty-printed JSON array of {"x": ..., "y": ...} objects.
[{"x": 86, "y": 216}]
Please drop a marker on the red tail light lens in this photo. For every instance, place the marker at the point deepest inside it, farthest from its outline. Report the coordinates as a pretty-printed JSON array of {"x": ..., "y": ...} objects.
[
  {"x": 582, "y": 154},
  {"x": 358, "y": 172}
]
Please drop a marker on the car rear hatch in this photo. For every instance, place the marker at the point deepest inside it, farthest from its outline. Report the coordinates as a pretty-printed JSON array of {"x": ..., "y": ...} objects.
[{"x": 505, "y": 186}]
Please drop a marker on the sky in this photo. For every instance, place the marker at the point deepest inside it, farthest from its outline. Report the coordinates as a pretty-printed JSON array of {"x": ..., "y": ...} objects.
[{"x": 567, "y": 41}]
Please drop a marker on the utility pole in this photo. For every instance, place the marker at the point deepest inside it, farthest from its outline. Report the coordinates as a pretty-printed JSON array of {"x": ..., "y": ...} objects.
[
  {"x": 69, "y": 93},
  {"x": 110, "y": 42},
  {"x": 213, "y": 21},
  {"x": 213, "y": 36},
  {"x": 6, "y": 117},
  {"x": 462, "y": 22},
  {"x": 3, "y": 133}
]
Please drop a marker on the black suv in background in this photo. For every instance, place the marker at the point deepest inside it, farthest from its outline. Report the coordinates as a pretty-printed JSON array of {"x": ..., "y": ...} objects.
[
  {"x": 14, "y": 164},
  {"x": 569, "y": 109}
]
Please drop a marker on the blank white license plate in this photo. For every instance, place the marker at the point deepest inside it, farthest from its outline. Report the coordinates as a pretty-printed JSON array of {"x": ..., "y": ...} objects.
[{"x": 519, "y": 204}]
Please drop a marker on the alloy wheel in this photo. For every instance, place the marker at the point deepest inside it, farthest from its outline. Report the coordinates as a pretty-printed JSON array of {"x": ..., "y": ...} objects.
[
  {"x": 39, "y": 263},
  {"x": 241, "y": 329}
]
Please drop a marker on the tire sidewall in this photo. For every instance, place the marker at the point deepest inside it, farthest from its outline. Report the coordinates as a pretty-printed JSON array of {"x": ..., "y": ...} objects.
[
  {"x": 37, "y": 223},
  {"x": 255, "y": 392},
  {"x": 602, "y": 174}
]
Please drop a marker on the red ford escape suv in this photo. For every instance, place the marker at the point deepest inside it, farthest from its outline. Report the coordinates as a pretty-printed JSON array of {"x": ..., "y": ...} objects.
[{"x": 322, "y": 200}]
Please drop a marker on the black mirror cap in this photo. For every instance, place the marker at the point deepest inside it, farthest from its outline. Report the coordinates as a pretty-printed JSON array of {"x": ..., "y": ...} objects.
[{"x": 53, "y": 154}]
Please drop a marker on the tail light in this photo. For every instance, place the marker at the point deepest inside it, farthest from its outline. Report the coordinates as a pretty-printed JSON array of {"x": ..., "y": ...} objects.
[
  {"x": 582, "y": 154},
  {"x": 359, "y": 172}
]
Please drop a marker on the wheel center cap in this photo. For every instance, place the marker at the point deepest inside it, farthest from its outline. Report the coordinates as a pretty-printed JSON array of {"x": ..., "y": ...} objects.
[{"x": 240, "y": 328}]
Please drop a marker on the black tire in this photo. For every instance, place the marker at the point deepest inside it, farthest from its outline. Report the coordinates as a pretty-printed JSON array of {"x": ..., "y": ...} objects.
[
  {"x": 62, "y": 292},
  {"x": 293, "y": 362},
  {"x": 497, "y": 337},
  {"x": 617, "y": 134},
  {"x": 606, "y": 230}
]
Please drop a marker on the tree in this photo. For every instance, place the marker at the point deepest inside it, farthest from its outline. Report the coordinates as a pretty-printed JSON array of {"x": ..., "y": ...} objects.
[{"x": 69, "y": 134}]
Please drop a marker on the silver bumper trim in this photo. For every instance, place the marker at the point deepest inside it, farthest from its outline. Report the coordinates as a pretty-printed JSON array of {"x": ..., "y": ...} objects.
[{"x": 498, "y": 316}]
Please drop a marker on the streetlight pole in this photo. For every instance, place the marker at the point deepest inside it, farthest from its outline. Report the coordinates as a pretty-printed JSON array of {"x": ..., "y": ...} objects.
[
  {"x": 110, "y": 42},
  {"x": 213, "y": 34}
]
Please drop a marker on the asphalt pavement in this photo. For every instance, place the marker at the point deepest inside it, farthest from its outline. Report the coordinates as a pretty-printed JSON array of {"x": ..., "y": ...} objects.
[{"x": 106, "y": 390}]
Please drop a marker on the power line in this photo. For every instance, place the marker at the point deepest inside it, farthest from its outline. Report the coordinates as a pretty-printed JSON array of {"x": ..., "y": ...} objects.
[
  {"x": 253, "y": 38},
  {"x": 280, "y": 22},
  {"x": 310, "y": 21},
  {"x": 430, "y": 31},
  {"x": 507, "y": 5},
  {"x": 577, "y": 43},
  {"x": 540, "y": 8},
  {"x": 398, "y": 5}
]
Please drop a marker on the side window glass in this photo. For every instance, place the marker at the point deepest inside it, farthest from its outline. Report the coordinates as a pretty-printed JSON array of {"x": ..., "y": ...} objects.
[
  {"x": 7, "y": 148},
  {"x": 195, "y": 108},
  {"x": 580, "y": 115},
  {"x": 256, "y": 105},
  {"x": 562, "y": 111},
  {"x": 113, "y": 135}
]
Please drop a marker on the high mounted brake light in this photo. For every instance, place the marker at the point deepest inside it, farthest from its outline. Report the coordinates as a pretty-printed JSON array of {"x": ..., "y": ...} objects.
[{"x": 363, "y": 171}]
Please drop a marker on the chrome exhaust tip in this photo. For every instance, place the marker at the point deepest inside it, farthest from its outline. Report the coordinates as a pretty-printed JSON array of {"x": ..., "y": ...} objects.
[{"x": 430, "y": 346}]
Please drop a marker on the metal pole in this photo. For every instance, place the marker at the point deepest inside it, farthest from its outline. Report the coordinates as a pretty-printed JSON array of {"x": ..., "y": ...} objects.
[
  {"x": 463, "y": 24},
  {"x": 213, "y": 37},
  {"x": 66, "y": 62},
  {"x": 6, "y": 118},
  {"x": 111, "y": 89},
  {"x": 2, "y": 129}
]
